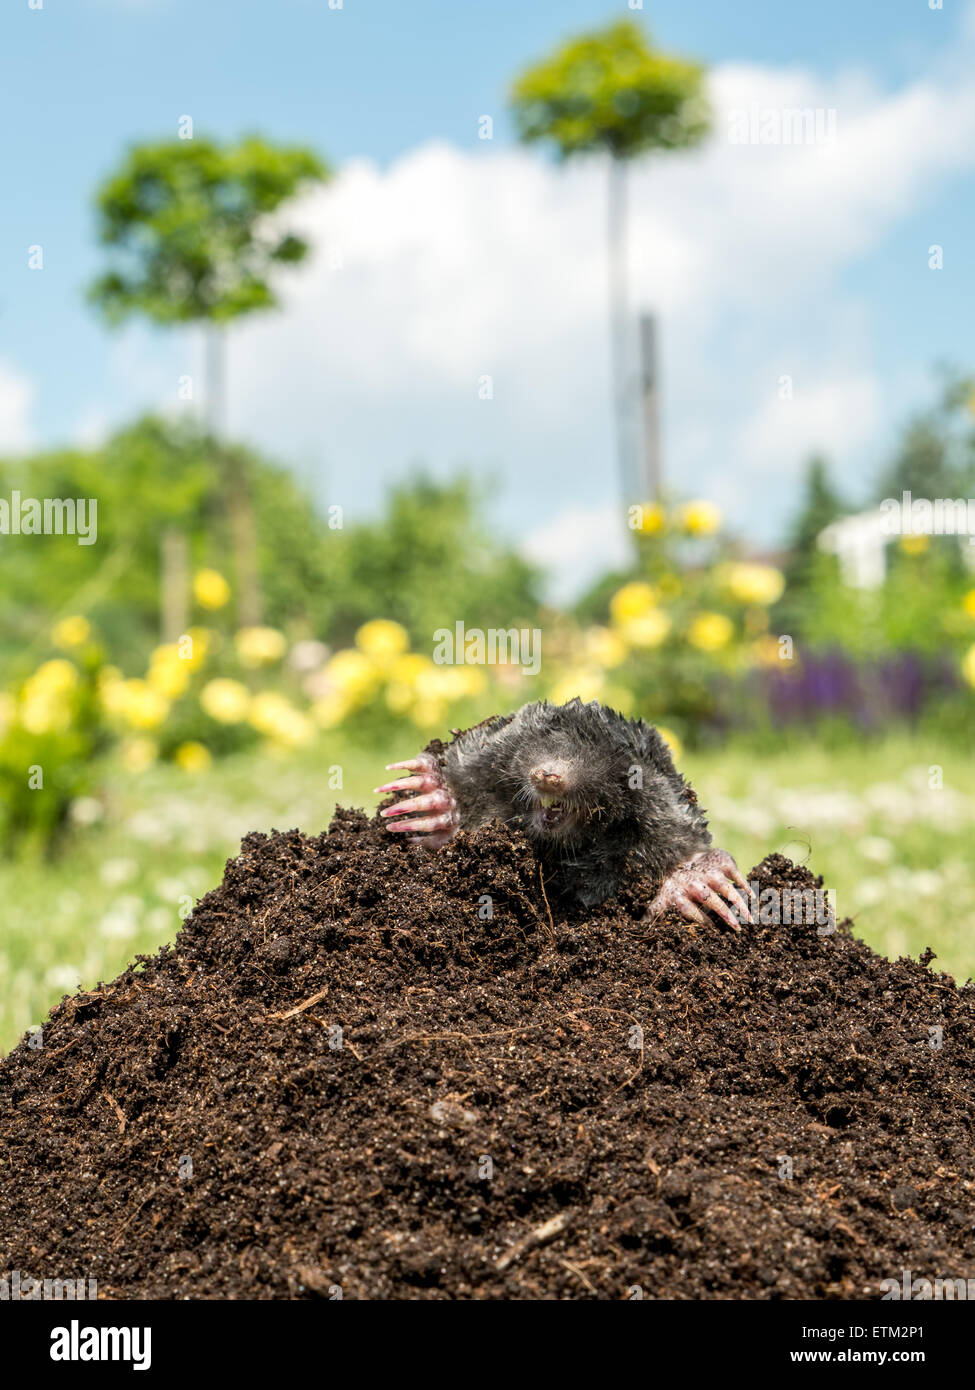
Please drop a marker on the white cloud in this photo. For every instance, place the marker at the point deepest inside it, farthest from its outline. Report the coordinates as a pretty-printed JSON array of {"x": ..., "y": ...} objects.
[
  {"x": 17, "y": 393},
  {"x": 575, "y": 546},
  {"x": 831, "y": 415}
]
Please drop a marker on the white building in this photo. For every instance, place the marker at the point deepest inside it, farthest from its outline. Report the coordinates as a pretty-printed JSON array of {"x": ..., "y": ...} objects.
[{"x": 860, "y": 541}]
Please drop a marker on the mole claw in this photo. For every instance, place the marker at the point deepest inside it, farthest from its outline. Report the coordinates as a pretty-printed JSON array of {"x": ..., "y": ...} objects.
[
  {"x": 742, "y": 882},
  {"x": 424, "y": 761},
  {"x": 404, "y": 784},
  {"x": 717, "y": 906},
  {"x": 425, "y": 823},
  {"x": 688, "y": 908},
  {"x": 725, "y": 887},
  {"x": 433, "y": 801}
]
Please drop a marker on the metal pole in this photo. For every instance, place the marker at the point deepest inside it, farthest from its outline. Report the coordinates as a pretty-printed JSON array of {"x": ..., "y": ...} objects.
[
  {"x": 620, "y": 327},
  {"x": 651, "y": 469}
]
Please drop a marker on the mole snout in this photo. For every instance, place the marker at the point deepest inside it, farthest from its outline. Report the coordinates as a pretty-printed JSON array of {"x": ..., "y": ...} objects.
[{"x": 549, "y": 777}]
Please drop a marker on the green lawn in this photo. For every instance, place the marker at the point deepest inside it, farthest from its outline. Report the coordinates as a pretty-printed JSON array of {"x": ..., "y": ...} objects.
[{"x": 896, "y": 851}]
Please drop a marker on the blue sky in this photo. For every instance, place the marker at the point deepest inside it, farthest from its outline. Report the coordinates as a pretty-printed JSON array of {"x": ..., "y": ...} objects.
[{"x": 394, "y": 90}]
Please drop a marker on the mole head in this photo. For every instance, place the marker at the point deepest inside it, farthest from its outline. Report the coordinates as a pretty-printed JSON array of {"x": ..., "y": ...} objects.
[{"x": 567, "y": 769}]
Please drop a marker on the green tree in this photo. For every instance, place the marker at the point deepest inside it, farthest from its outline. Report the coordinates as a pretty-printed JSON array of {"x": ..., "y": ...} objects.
[
  {"x": 427, "y": 561},
  {"x": 148, "y": 478},
  {"x": 610, "y": 92},
  {"x": 820, "y": 505},
  {"x": 807, "y": 566},
  {"x": 193, "y": 240},
  {"x": 936, "y": 454}
]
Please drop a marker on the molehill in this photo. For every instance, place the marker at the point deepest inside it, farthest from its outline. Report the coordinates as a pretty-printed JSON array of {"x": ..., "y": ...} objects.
[{"x": 366, "y": 1068}]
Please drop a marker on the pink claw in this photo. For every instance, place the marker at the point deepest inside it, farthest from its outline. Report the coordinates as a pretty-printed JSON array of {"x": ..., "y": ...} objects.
[
  {"x": 425, "y": 823},
  {"x": 431, "y": 831},
  {"x": 424, "y": 760},
  {"x": 434, "y": 801},
  {"x": 705, "y": 881},
  {"x": 426, "y": 780},
  {"x": 405, "y": 784}
]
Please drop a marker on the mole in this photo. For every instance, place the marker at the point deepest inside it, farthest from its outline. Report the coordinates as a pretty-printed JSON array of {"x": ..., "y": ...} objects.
[{"x": 597, "y": 794}]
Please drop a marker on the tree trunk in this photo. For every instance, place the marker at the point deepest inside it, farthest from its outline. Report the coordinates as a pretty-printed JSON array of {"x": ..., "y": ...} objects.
[
  {"x": 243, "y": 532},
  {"x": 619, "y": 329},
  {"x": 174, "y": 565},
  {"x": 237, "y": 490}
]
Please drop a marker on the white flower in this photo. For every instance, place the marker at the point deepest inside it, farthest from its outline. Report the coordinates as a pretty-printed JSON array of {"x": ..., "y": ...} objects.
[
  {"x": 117, "y": 871},
  {"x": 86, "y": 810},
  {"x": 307, "y": 656},
  {"x": 870, "y": 891},
  {"x": 878, "y": 849},
  {"x": 66, "y": 977}
]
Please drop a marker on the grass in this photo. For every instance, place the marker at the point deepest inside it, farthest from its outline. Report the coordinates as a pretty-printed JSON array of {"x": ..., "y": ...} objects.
[{"x": 891, "y": 842}]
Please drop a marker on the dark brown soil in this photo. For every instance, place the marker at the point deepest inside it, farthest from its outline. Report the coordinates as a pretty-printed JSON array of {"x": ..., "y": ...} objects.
[{"x": 489, "y": 1076}]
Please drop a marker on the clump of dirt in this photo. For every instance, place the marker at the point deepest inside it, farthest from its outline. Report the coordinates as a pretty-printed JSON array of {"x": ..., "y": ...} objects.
[{"x": 366, "y": 1069}]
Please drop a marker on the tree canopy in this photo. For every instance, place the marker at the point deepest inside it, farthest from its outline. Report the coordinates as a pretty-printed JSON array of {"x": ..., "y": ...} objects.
[
  {"x": 611, "y": 90},
  {"x": 936, "y": 454},
  {"x": 191, "y": 226}
]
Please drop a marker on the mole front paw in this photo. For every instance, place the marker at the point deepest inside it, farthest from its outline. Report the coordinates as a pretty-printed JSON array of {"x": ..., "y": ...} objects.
[
  {"x": 707, "y": 881},
  {"x": 435, "y": 808}
]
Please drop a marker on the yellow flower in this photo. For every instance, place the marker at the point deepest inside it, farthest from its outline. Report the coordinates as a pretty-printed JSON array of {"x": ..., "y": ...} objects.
[
  {"x": 226, "y": 701},
  {"x": 605, "y": 647},
  {"x": 632, "y": 601},
  {"x": 439, "y": 683},
  {"x": 650, "y": 518},
  {"x": 141, "y": 706},
  {"x": 294, "y": 731},
  {"x": 968, "y": 666},
  {"x": 968, "y": 603},
  {"x": 138, "y": 754},
  {"x": 271, "y": 714},
  {"x": 753, "y": 583},
  {"x": 766, "y": 651},
  {"x": 586, "y": 683},
  {"x": 428, "y": 714},
  {"x": 330, "y": 710},
  {"x": 194, "y": 651},
  {"x": 470, "y": 680},
  {"x": 700, "y": 518},
  {"x": 382, "y": 639},
  {"x": 57, "y": 676},
  {"x": 647, "y": 630},
  {"x": 46, "y": 697},
  {"x": 352, "y": 672},
  {"x": 45, "y": 712},
  {"x": 671, "y": 740},
  {"x": 111, "y": 689},
  {"x": 398, "y": 697},
  {"x": 260, "y": 646},
  {"x": 168, "y": 673},
  {"x": 709, "y": 632},
  {"x": 267, "y": 710},
  {"x": 71, "y": 632},
  {"x": 192, "y": 757},
  {"x": 914, "y": 545},
  {"x": 210, "y": 589},
  {"x": 408, "y": 668}
]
